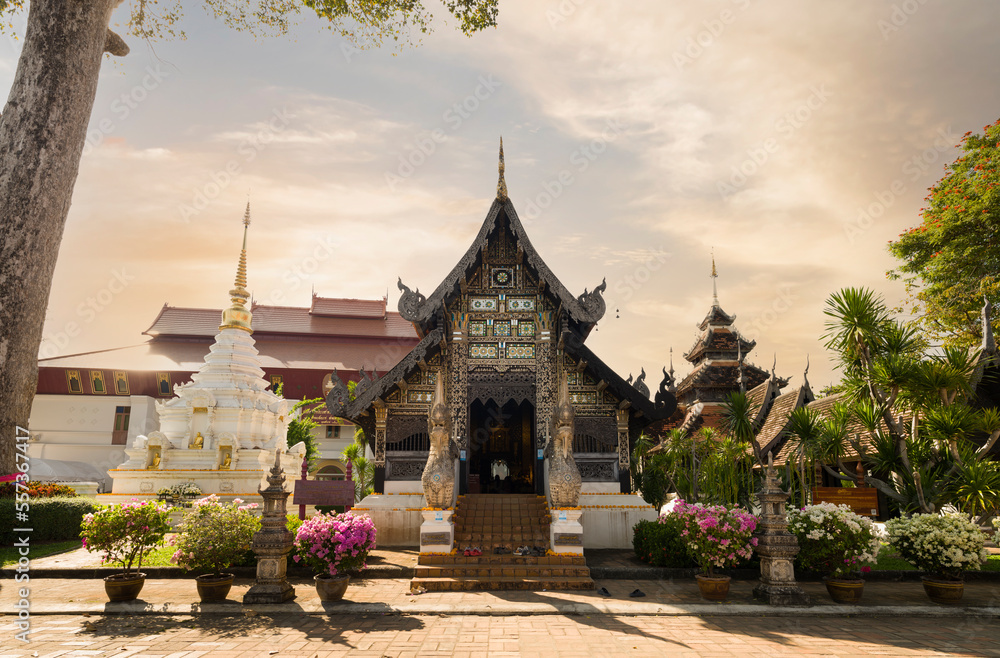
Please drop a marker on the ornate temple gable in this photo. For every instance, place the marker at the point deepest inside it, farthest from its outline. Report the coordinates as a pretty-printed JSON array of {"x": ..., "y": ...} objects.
[
  {"x": 631, "y": 398},
  {"x": 395, "y": 384},
  {"x": 509, "y": 246}
]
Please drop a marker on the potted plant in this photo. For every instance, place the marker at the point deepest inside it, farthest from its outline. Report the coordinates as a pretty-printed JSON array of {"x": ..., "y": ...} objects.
[
  {"x": 943, "y": 546},
  {"x": 716, "y": 536},
  {"x": 835, "y": 541},
  {"x": 126, "y": 533},
  {"x": 333, "y": 546},
  {"x": 211, "y": 536}
]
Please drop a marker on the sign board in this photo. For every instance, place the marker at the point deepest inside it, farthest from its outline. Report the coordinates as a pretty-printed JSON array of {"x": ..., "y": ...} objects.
[
  {"x": 439, "y": 516},
  {"x": 562, "y": 516},
  {"x": 568, "y": 539},
  {"x": 435, "y": 538},
  {"x": 861, "y": 500},
  {"x": 324, "y": 492}
]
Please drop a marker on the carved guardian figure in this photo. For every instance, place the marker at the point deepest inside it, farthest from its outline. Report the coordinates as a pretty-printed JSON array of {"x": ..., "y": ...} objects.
[
  {"x": 564, "y": 476},
  {"x": 438, "y": 479}
]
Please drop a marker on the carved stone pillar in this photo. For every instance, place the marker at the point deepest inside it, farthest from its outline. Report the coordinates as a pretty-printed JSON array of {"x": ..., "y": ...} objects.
[
  {"x": 272, "y": 543},
  {"x": 623, "y": 443},
  {"x": 776, "y": 547},
  {"x": 381, "y": 413}
]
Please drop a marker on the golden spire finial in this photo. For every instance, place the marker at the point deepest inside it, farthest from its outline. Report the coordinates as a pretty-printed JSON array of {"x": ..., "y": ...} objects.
[
  {"x": 501, "y": 183},
  {"x": 715, "y": 288},
  {"x": 237, "y": 316}
]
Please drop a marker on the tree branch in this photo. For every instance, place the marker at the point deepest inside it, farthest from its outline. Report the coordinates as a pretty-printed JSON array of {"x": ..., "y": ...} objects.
[{"x": 115, "y": 45}]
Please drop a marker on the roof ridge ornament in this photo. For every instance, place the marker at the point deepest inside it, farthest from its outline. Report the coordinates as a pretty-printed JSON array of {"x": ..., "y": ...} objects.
[
  {"x": 592, "y": 303},
  {"x": 237, "y": 316},
  {"x": 501, "y": 183},
  {"x": 805, "y": 374},
  {"x": 410, "y": 302}
]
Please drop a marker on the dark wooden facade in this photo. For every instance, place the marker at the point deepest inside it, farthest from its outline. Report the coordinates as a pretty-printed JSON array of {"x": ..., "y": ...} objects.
[{"x": 500, "y": 328}]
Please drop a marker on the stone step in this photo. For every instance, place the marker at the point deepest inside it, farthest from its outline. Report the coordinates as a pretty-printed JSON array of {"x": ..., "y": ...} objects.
[
  {"x": 501, "y": 583},
  {"x": 501, "y": 560},
  {"x": 484, "y": 571}
]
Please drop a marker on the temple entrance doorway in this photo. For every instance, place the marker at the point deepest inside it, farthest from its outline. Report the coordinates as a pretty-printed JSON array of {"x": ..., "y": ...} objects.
[{"x": 501, "y": 441}]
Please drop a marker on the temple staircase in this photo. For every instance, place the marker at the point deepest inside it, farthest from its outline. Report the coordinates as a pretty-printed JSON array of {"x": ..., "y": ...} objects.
[{"x": 510, "y": 521}]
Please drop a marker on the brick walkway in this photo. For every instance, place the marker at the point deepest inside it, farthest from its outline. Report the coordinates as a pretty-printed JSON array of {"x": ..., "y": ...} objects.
[
  {"x": 665, "y": 597},
  {"x": 467, "y": 636}
]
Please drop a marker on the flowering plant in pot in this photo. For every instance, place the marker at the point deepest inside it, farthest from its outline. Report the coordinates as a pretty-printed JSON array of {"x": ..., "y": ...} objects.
[
  {"x": 126, "y": 533},
  {"x": 211, "y": 536},
  {"x": 716, "y": 536},
  {"x": 835, "y": 541},
  {"x": 333, "y": 546},
  {"x": 943, "y": 546}
]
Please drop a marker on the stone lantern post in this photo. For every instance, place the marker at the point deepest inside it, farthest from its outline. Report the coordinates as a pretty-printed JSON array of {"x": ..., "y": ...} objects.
[
  {"x": 776, "y": 547},
  {"x": 272, "y": 542}
]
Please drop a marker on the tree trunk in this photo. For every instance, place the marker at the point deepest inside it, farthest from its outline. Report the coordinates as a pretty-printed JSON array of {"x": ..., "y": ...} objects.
[{"x": 42, "y": 132}]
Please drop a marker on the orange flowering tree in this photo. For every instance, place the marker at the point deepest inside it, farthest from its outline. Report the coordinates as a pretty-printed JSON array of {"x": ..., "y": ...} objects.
[{"x": 951, "y": 260}]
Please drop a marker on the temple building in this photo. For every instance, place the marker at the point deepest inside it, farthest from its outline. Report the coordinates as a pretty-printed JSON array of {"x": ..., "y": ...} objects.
[{"x": 501, "y": 330}]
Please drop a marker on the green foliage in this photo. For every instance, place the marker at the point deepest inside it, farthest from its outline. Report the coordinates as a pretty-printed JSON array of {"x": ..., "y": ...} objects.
[
  {"x": 659, "y": 543},
  {"x": 888, "y": 374},
  {"x": 126, "y": 532},
  {"x": 950, "y": 262},
  {"x": 653, "y": 481},
  {"x": 52, "y": 519},
  {"x": 364, "y": 22},
  {"x": 214, "y": 535},
  {"x": 976, "y": 488},
  {"x": 37, "y": 489},
  {"x": 363, "y": 471},
  {"x": 300, "y": 428}
]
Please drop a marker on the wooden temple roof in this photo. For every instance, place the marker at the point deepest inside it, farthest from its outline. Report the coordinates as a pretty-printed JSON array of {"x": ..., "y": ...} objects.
[{"x": 585, "y": 310}]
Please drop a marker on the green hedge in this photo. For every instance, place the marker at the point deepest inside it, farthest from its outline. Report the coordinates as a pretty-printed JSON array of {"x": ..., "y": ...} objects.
[
  {"x": 51, "y": 519},
  {"x": 660, "y": 544}
]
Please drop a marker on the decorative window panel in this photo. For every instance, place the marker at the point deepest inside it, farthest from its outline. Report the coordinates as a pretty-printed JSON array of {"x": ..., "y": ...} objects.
[
  {"x": 587, "y": 397},
  {"x": 484, "y": 351},
  {"x": 518, "y": 304},
  {"x": 573, "y": 378},
  {"x": 419, "y": 396},
  {"x": 521, "y": 351},
  {"x": 526, "y": 329},
  {"x": 501, "y": 329},
  {"x": 502, "y": 277},
  {"x": 482, "y": 304},
  {"x": 477, "y": 328},
  {"x": 432, "y": 377}
]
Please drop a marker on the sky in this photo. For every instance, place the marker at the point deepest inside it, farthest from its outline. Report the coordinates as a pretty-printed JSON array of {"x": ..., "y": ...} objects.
[{"x": 793, "y": 139}]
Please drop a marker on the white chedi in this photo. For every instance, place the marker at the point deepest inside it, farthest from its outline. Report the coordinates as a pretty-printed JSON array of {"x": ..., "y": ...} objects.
[{"x": 223, "y": 428}]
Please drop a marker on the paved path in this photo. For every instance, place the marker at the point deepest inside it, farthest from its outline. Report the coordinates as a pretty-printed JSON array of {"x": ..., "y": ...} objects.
[
  {"x": 402, "y": 636},
  {"x": 386, "y": 595}
]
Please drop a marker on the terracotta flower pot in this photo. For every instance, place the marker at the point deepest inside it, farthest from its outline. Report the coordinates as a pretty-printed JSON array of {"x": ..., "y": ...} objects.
[
  {"x": 124, "y": 587},
  {"x": 213, "y": 588},
  {"x": 946, "y": 592},
  {"x": 331, "y": 588},
  {"x": 844, "y": 590},
  {"x": 713, "y": 588}
]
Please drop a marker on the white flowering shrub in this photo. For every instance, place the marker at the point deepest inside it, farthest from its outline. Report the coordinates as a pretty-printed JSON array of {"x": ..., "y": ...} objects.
[
  {"x": 833, "y": 539},
  {"x": 945, "y": 545}
]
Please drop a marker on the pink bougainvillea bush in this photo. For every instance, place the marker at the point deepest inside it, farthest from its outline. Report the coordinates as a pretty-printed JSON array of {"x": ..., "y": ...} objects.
[
  {"x": 335, "y": 543},
  {"x": 214, "y": 534},
  {"x": 126, "y": 532},
  {"x": 715, "y": 535}
]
